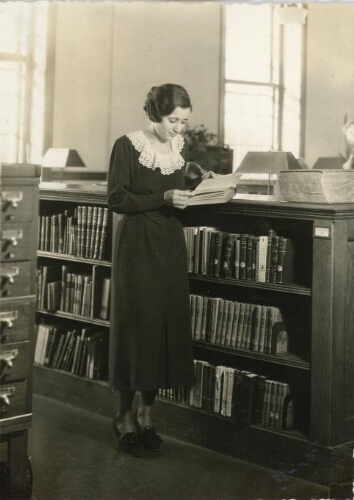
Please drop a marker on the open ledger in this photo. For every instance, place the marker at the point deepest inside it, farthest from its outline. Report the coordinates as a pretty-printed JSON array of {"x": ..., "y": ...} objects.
[{"x": 215, "y": 190}]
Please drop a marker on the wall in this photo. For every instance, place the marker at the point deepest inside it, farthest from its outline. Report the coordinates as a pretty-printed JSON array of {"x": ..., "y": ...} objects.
[
  {"x": 108, "y": 55},
  {"x": 330, "y": 78}
]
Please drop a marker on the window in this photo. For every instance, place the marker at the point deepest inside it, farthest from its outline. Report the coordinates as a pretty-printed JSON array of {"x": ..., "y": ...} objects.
[
  {"x": 262, "y": 81},
  {"x": 23, "y": 38}
]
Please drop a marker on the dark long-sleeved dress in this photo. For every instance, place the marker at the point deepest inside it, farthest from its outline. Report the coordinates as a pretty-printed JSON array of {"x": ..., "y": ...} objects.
[{"x": 151, "y": 345}]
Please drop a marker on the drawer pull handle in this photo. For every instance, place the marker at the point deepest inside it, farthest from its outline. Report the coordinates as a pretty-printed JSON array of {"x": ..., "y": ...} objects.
[
  {"x": 9, "y": 273},
  {"x": 12, "y": 235},
  {"x": 13, "y": 197},
  {"x": 7, "y": 357},
  {"x": 8, "y": 317},
  {"x": 6, "y": 394}
]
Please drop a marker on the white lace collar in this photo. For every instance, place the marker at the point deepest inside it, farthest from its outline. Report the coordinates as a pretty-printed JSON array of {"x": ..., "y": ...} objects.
[{"x": 151, "y": 159}]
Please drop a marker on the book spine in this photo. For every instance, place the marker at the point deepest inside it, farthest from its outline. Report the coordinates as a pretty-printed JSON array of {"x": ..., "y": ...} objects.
[
  {"x": 249, "y": 327},
  {"x": 246, "y": 317},
  {"x": 271, "y": 234},
  {"x": 192, "y": 309},
  {"x": 249, "y": 248},
  {"x": 225, "y": 315},
  {"x": 211, "y": 253},
  {"x": 99, "y": 225},
  {"x": 229, "y": 320},
  {"x": 240, "y": 324},
  {"x": 274, "y": 259},
  {"x": 196, "y": 250},
  {"x": 102, "y": 251},
  {"x": 88, "y": 232},
  {"x": 205, "y": 310},
  {"x": 226, "y": 257},
  {"x": 79, "y": 244},
  {"x": 218, "y": 253},
  {"x": 256, "y": 328},
  {"x": 236, "y": 272},
  {"x": 93, "y": 232},
  {"x": 243, "y": 256},
  {"x": 198, "y": 317},
  {"x": 235, "y": 321},
  {"x": 280, "y": 262},
  {"x": 262, "y": 329}
]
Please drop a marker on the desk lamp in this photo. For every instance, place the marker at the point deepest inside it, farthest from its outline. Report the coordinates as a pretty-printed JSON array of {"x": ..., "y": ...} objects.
[
  {"x": 264, "y": 166},
  {"x": 59, "y": 158}
]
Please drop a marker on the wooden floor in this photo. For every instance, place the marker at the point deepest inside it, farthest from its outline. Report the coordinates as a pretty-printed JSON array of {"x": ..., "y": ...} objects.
[{"x": 74, "y": 457}]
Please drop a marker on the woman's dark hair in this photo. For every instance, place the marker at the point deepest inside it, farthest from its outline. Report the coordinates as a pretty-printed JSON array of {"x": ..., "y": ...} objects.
[{"x": 162, "y": 100}]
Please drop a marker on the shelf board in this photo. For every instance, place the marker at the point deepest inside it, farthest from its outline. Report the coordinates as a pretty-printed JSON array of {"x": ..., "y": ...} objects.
[
  {"x": 75, "y": 317},
  {"x": 294, "y": 289},
  {"x": 294, "y": 434},
  {"x": 73, "y": 258},
  {"x": 288, "y": 359}
]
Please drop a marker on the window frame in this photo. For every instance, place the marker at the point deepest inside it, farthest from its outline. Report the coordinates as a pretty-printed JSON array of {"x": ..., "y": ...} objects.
[{"x": 223, "y": 81}]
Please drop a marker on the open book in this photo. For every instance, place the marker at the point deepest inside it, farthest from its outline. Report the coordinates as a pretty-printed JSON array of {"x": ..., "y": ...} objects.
[{"x": 215, "y": 190}]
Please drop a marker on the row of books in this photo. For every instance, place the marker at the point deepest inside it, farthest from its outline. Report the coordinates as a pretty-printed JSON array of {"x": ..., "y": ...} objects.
[
  {"x": 81, "y": 232},
  {"x": 264, "y": 259},
  {"x": 58, "y": 289},
  {"x": 81, "y": 352},
  {"x": 239, "y": 394},
  {"x": 237, "y": 324}
]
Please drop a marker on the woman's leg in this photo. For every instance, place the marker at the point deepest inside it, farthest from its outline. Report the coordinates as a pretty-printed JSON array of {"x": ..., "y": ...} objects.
[
  {"x": 147, "y": 399},
  {"x": 124, "y": 417},
  {"x": 146, "y": 432}
]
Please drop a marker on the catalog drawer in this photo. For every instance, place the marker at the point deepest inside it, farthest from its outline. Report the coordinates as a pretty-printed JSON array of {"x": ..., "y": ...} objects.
[
  {"x": 14, "y": 361},
  {"x": 13, "y": 399},
  {"x": 16, "y": 321},
  {"x": 18, "y": 242},
  {"x": 16, "y": 203},
  {"x": 15, "y": 279}
]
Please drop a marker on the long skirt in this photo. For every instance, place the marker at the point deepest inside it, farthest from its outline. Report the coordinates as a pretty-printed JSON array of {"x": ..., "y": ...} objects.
[{"x": 150, "y": 341}]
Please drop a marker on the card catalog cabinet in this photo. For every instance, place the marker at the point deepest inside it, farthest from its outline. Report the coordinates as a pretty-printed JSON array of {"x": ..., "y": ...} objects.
[{"x": 18, "y": 231}]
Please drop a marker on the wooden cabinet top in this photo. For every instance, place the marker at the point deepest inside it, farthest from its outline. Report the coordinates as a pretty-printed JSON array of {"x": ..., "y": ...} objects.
[
  {"x": 17, "y": 170},
  {"x": 88, "y": 192}
]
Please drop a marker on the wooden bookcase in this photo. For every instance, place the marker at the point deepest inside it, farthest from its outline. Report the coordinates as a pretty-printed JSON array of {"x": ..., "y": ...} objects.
[{"x": 319, "y": 367}]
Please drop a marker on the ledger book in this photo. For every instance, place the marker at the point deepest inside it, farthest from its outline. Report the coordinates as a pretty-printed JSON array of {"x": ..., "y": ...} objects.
[{"x": 317, "y": 186}]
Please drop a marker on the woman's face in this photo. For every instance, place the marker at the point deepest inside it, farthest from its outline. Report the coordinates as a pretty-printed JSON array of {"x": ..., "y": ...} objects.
[{"x": 172, "y": 124}]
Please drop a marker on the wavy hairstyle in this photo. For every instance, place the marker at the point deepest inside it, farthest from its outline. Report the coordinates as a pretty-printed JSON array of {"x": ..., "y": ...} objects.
[{"x": 162, "y": 100}]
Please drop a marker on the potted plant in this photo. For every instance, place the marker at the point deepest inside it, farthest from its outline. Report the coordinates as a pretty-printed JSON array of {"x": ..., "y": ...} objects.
[{"x": 199, "y": 137}]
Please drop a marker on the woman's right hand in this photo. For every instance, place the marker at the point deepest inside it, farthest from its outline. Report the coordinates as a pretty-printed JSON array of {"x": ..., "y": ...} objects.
[{"x": 177, "y": 198}]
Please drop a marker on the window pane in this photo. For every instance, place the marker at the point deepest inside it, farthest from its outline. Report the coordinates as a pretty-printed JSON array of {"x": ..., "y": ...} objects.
[
  {"x": 249, "y": 42},
  {"x": 292, "y": 58},
  {"x": 13, "y": 27},
  {"x": 292, "y": 88},
  {"x": 10, "y": 91},
  {"x": 250, "y": 119}
]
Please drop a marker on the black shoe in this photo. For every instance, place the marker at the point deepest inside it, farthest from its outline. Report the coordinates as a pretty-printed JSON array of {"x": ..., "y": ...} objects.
[
  {"x": 148, "y": 437},
  {"x": 128, "y": 442}
]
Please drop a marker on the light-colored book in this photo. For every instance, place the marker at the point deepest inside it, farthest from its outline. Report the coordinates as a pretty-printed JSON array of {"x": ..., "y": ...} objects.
[{"x": 219, "y": 189}]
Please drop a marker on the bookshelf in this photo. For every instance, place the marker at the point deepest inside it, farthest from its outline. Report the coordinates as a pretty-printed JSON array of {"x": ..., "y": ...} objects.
[
  {"x": 73, "y": 265},
  {"x": 318, "y": 365}
]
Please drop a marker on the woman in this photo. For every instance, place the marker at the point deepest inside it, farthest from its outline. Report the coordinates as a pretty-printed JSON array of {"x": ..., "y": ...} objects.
[{"x": 151, "y": 345}]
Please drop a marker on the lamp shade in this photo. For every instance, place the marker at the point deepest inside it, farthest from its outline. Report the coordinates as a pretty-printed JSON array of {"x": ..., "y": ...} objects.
[
  {"x": 62, "y": 158},
  {"x": 268, "y": 162}
]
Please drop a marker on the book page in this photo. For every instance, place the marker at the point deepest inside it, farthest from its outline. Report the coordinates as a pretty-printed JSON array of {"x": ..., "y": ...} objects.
[{"x": 218, "y": 183}]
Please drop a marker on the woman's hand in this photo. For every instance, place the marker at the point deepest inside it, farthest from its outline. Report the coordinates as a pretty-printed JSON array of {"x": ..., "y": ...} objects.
[
  {"x": 177, "y": 198},
  {"x": 209, "y": 175}
]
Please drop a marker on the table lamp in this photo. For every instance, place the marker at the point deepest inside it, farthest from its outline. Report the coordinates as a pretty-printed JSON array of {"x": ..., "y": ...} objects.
[
  {"x": 59, "y": 158},
  {"x": 262, "y": 167}
]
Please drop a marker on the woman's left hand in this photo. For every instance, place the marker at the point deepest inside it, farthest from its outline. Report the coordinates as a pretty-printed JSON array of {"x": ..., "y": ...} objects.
[{"x": 209, "y": 175}]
